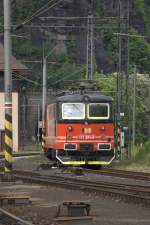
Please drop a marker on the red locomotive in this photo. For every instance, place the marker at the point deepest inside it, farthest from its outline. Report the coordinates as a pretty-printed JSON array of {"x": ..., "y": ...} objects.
[{"x": 79, "y": 129}]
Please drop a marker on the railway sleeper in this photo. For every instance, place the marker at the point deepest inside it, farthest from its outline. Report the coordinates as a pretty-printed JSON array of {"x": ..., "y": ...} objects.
[{"x": 14, "y": 200}]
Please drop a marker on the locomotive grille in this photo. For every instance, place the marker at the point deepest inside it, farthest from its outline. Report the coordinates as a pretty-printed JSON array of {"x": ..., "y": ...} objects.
[{"x": 86, "y": 147}]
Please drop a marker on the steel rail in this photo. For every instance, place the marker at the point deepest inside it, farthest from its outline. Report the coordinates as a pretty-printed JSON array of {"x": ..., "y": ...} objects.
[
  {"x": 121, "y": 173},
  {"x": 7, "y": 218},
  {"x": 22, "y": 154},
  {"x": 140, "y": 193},
  {"x": 114, "y": 185}
]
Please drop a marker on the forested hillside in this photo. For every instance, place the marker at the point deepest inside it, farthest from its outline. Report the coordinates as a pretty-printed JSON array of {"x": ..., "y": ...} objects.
[
  {"x": 69, "y": 55},
  {"x": 74, "y": 49},
  {"x": 66, "y": 47}
]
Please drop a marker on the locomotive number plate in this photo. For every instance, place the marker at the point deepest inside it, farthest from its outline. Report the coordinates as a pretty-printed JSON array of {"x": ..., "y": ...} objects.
[{"x": 86, "y": 137}]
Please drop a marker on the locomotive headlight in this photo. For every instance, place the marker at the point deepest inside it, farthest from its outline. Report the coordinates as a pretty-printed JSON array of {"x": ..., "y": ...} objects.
[{"x": 69, "y": 128}]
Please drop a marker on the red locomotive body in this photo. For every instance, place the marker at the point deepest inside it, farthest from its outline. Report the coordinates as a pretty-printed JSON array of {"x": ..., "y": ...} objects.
[{"x": 80, "y": 130}]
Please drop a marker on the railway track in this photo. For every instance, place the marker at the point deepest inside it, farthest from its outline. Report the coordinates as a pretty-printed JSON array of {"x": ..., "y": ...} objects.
[
  {"x": 17, "y": 155},
  {"x": 7, "y": 218},
  {"x": 22, "y": 154},
  {"x": 120, "y": 173},
  {"x": 137, "y": 193}
]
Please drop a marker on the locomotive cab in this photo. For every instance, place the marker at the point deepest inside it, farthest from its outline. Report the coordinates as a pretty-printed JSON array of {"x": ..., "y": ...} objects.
[{"x": 81, "y": 129}]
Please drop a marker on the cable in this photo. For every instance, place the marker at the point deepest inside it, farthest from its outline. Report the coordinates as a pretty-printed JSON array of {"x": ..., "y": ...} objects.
[
  {"x": 50, "y": 7},
  {"x": 40, "y": 61},
  {"x": 54, "y": 26},
  {"x": 38, "y": 26},
  {"x": 70, "y": 75},
  {"x": 130, "y": 35},
  {"x": 62, "y": 68},
  {"x": 50, "y": 52},
  {"x": 27, "y": 79},
  {"x": 20, "y": 36},
  {"x": 37, "y": 13},
  {"x": 77, "y": 17},
  {"x": 69, "y": 27}
]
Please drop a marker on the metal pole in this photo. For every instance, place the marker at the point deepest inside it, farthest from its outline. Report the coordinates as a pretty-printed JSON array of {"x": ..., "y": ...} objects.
[
  {"x": 44, "y": 87},
  {"x": 149, "y": 109},
  {"x": 119, "y": 87},
  {"x": 44, "y": 100},
  {"x": 38, "y": 119},
  {"x": 90, "y": 49},
  {"x": 128, "y": 105},
  {"x": 87, "y": 51},
  {"x": 44, "y": 93},
  {"x": 8, "y": 87},
  {"x": 119, "y": 65},
  {"x": 134, "y": 109},
  {"x": 128, "y": 53},
  {"x": 45, "y": 80}
]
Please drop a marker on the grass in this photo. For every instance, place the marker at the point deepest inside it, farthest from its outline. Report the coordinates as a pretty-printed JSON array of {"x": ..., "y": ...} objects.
[
  {"x": 33, "y": 148},
  {"x": 39, "y": 159},
  {"x": 140, "y": 159}
]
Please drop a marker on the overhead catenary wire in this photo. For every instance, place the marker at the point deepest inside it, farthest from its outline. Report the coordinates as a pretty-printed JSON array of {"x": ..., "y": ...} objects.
[
  {"x": 62, "y": 68},
  {"x": 70, "y": 75},
  {"x": 40, "y": 26},
  {"x": 40, "y": 61},
  {"x": 76, "y": 18},
  {"x": 131, "y": 35},
  {"x": 38, "y": 12},
  {"x": 27, "y": 79},
  {"x": 38, "y": 84},
  {"x": 99, "y": 26},
  {"x": 83, "y": 27},
  {"x": 20, "y": 36}
]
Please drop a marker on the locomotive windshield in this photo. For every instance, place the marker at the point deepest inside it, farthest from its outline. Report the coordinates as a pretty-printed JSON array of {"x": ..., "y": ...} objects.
[
  {"x": 98, "y": 111},
  {"x": 73, "y": 111}
]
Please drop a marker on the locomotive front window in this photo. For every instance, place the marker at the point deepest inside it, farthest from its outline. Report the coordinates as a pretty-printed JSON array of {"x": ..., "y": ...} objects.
[
  {"x": 98, "y": 111},
  {"x": 73, "y": 111}
]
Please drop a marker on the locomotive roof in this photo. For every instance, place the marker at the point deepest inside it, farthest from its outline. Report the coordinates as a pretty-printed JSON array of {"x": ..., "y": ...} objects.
[{"x": 92, "y": 97}]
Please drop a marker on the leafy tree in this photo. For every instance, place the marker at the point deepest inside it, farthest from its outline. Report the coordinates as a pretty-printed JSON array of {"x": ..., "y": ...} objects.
[
  {"x": 139, "y": 53},
  {"x": 107, "y": 85}
]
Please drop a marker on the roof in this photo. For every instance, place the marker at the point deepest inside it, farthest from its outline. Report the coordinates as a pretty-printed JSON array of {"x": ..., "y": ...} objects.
[
  {"x": 16, "y": 65},
  {"x": 91, "y": 96}
]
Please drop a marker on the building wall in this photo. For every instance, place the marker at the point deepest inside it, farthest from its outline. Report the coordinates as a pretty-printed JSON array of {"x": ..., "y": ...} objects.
[
  {"x": 31, "y": 115},
  {"x": 14, "y": 118},
  {"x": 16, "y": 85}
]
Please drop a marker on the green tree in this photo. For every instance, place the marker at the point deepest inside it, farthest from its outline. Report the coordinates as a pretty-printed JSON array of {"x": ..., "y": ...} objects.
[{"x": 139, "y": 53}]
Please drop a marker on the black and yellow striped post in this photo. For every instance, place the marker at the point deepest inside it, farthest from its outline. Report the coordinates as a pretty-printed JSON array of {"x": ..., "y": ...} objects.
[
  {"x": 8, "y": 140},
  {"x": 8, "y": 88},
  {"x": 119, "y": 140}
]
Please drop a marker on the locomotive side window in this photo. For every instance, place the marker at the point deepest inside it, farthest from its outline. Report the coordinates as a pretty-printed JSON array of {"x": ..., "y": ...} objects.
[
  {"x": 98, "y": 111},
  {"x": 73, "y": 111}
]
